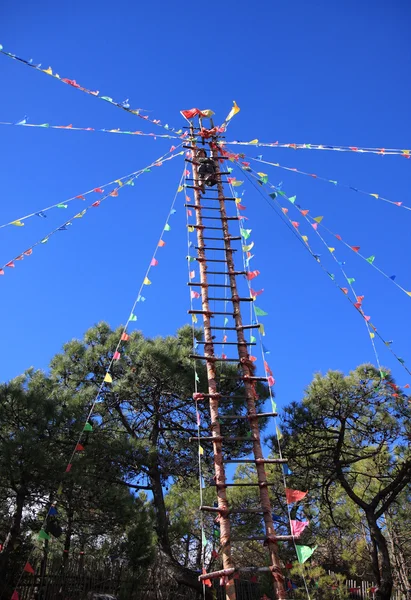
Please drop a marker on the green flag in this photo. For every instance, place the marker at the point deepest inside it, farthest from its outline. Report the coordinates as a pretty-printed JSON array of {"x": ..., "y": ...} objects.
[
  {"x": 259, "y": 312},
  {"x": 350, "y": 279},
  {"x": 370, "y": 259},
  {"x": 204, "y": 539},
  {"x": 43, "y": 535},
  {"x": 167, "y": 227},
  {"x": 292, "y": 199},
  {"x": 252, "y": 339},
  {"x": 304, "y": 553},
  {"x": 132, "y": 317},
  {"x": 88, "y": 427}
]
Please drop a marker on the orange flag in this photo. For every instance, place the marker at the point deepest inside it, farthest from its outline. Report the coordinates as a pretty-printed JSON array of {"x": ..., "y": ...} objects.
[{"x": 294, "y": 495}]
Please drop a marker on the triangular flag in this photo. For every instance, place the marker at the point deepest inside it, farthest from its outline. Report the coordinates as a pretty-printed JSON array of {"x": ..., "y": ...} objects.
[
  {"x": 180, "y": 188},
  {"x": 233, "y": 111},
  {"x": 108, "y": 378},
  {"x": 304, "y": 553},
  {"x": 133, "y": 317},
  {"x": 294, "y": 495},
  {"x": 350, "y": 279},
  {"x": 355, "y": 248},
  {"x": 79, "y": 448},
  {"x": 318, "y": 219},
  {"x": 259, "y": 312},
  {"x": 17, "y": 223},
  {"x": 124, "y": 337},
  {"x": 304, "y": 212},
  {"x": 297, "y": 527},
  {"x": 331, "y": 249},
  {"x": 43, "y": 535},
  {"x": 15, "y": 595},
  {"x": 292, "y": 199},
  {"x": 200, "y": 450},
  {"x": 116, "y": 355},
  {"x": 370, "y": 259},
  {"x": 167, "y": 227},
  {"x": 28, "y": 568},
  {"x": 146, "y": 281},
  {"x": 88, "y": 427}
]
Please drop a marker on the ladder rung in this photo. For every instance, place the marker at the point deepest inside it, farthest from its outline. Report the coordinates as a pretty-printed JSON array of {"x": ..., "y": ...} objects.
[
  {"x": 237, "y": 299},
  {"x": 227, "y": 272},
  {"x": 205, "y": 227},
  {"x": 208, "y": 248},
  {"x": 232, "y": 510},
  {"x": 234, "y": 328},
  {"x": 215, "y": 174},
  {"x": 221, "y": 285},
  {"x": 273, "y": 461},
  {"x": 250, "y": 484},
  {"x": 201, "y": 207},
  {"x": 231, "y": 238},
  {"x": 208, "y": 312},
  {"x": 220, "y": 438},
  {"x": 263, "y": 538},
  {"x": 217, "y": 199},
  {"x": 213, "y": 358},
  {"x": 220, "y": 218},
  {"x": 256, "y": 416},
  {"x": 231, "y": 571},
  {"x": 230, "y": 343}
]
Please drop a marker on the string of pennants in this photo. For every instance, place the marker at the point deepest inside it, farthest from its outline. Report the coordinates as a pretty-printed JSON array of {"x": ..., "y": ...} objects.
[
  {"x": 317, "y": 221},
  {"x": 124, "y": 105},
  {"x": 105, "y": 384},
  {"x": 64, "y": 226},
  {"x": 23, "y": 123},
  {"x": 358, "y": 299},
  {"x": 292, "y": 496},
  {"x": 333, "y": 181},
  {"x": 381, "y": 151}
]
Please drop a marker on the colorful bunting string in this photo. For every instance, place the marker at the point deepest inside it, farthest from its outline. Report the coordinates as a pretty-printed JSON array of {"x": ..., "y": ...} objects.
[
  {"x": 349, "y": 280},
  {"x": 106, "y": 381},
  {"x": 381, "y": 151},
  {"x": 96, "y": 94},
  {"x": 125, "y": 180},
  {"x": 333, "y": 181},
  {"x": 71, "y": 128},
  {"x": 66, "y": 224}
]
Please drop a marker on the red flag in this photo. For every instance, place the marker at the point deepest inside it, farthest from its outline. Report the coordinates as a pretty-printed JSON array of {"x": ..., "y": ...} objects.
[
  {"x": 191, "y": 113},
  {"x": 254, "y": 293},
  {"x": 252, "y": 358},
  {"x": 241, "y": 207},
  {"x": 116, "y": 355},
  {"x": 10, "y": 264},
  {"x": 98, "y": 190},
  {"x": 1, "y": 271},
  {"x": 304, "y": 212},
  {"x": 124, "y": 337},
  {"x": 206, "y": 582},
  {"x": 345, "y": 290},
  {"x": 251, "y": 274},
  {"x": 154, "y": 262},
  {"x": 355, "y": 248},
  {"x": 97, "y": 203},
  {"x": 295, "y": 224},
  {"x": 161, "y": 243},
  {"x": 68, "y": 468},
  {"x": 28, "y": 568},
  {"x": 338, "y": 237},
  {"x": 294, "y": 495},
  {"x": 267, "y": 368},
  {"x": 15, "y": 595},
  {"x": 79, "y": 448},
  {"x": 114, "y": 193},
  {"x": 194, "y": 294},
  {"x": 357, "y": 305},
  {"x": 80, "y": 197},
  {"x": 271, "y": 381},
  {"x": 28, "y": 252}
]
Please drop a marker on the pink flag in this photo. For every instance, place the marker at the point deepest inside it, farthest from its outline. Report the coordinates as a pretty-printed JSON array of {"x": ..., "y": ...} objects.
[
  {"x": 154, "y": 262},
  {"x": 297, "y": 527},
  {"x": 194, "y": 294},
  {"x": 271, "y": 381},
  {"x": 254, "y": 293},
  {"x": 251, "y": 274},
  {"x": 15, "y": 595},
  {"x": 116, "y": 355},
  {"x": 294, "y": 495}
]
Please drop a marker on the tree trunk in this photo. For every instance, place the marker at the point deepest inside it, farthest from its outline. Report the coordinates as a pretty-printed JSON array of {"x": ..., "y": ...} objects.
[
  {"x": 399, "y": 561},
  {"x": 385, "y": 583},
  {"x": 14, "y": 530}
]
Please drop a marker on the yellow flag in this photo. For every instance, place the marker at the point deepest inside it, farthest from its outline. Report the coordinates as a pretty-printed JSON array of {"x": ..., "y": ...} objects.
[
  {"x": 318, "y": 219},
  {"x": 200, "y": 450},
  {"x": 248, "y": 248},
  {"x": 146, "y": 281},
  {"x": 233, "y": 111},
  {"x": 48, "y": 71},
  {"x": 409, "y": 293},
  {"x": 108, "y": 378},
  {"x": 305, "y": 238},
  {"x": 180, "y": 188},
  {"x": 120, "y": 183},
  {"x": 238, "y": 200},
  {"x": 237, "y": 183},
  {"x": 279, "y": 434},
  {"x": 190, "y": 228},
  {"x": 331, "y": 249},
  {"x": 375, "y": 195},
  {"x": 194, "y": 318},
  {"x": 60, "y": 489},
  {"x": 79, "y": 215},
  {"x": 17, "y": 223},
  {"x": 253, "y": 142},
  {"x": 372, "y": 335},
  {"x": 262, "y": 174},
  {"x": 208, "y": 112},
  {"x": 261, "y": 327}
]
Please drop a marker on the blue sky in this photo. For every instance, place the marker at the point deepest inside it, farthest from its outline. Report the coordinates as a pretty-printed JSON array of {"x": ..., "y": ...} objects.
[{"x": 321, "y": 72}]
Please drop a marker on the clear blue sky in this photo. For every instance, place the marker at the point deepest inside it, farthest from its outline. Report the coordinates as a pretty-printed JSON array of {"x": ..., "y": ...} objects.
[{"x": 319, "y": 72}]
